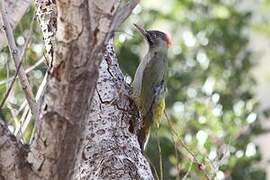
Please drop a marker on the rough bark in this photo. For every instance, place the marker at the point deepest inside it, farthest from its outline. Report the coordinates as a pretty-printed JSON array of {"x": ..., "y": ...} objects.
[
  {"x": 47, "y": 15},
  {"x": 110, "y": 149},
  {"x": 13, "y": 163}
]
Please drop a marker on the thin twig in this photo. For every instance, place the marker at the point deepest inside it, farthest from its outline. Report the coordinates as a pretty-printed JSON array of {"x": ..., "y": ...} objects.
[
  {"x": 153, "y": 167},
  {"x": 25, "y": 120},
  {"x": 10, "y": 86},
  {"x": 39, "y": 99},
  {"x": 177, "y": 157},
  {"x": 28, "y": 70},
  {"x": 13, "y": 114},
  {"x": 22, "y": 106},
  {"x": 17, "y": 11},
  {"x": 160, "y": 157},
  {"x": 180, "y": 140},
  {"x": 18, "y": 130},
  {"x": 20, "y": 64},
  {"x": 15, "y": 56},
  {"x": 184, "y": 145},
  {"x": 188, "y": 171},
  {"x": 24, "y": 125},
  {"x": 7, "y": 67}
]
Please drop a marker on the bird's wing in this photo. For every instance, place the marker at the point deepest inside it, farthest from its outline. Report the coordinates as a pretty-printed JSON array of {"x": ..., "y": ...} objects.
[
  {"x": 147, "y": 88},
  {"x": 137, "y": 81}
]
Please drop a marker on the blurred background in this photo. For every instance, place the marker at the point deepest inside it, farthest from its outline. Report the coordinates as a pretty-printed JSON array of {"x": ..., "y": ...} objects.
[{"x": 218, "y": 101}]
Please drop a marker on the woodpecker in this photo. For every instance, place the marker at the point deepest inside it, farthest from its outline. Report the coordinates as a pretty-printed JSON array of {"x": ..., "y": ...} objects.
[{"x": 149, "y": 84}]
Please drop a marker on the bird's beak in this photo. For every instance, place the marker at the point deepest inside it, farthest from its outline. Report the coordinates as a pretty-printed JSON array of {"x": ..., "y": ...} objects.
[
  {"x": 141, "y": 30},
  {"x": 144, "y": 33}
]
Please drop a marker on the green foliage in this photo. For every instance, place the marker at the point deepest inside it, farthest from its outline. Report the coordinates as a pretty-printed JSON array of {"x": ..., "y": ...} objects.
[{"x": 210, "y": 98}]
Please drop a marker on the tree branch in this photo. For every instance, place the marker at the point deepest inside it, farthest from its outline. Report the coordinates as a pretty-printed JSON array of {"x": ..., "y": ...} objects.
[
  {"x": 121, "y": 14},
  {"x": 28, "y": 70},
  {"x": 16, "y": 10},
  {"x": 15, "y": 56},
  {"x": 29, "y": 36}
]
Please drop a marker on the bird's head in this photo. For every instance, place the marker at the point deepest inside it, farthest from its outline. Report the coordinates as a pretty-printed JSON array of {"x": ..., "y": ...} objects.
[{"x": 155, "y": 39}]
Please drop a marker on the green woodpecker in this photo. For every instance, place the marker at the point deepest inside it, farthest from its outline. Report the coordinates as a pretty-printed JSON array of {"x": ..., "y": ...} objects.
[{"x": 149, "y": 84}]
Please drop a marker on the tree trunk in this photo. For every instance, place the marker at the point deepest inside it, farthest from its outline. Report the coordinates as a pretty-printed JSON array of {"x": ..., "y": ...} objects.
[{"x": 88, "y": 122}]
